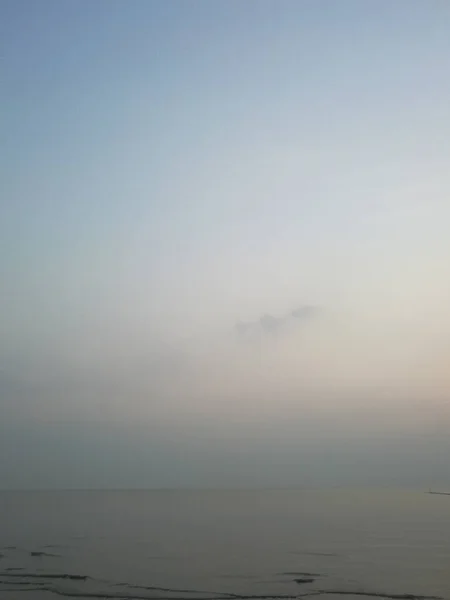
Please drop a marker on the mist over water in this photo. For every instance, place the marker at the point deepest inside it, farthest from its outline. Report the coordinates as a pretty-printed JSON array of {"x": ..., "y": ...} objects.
[{"x": 224, "y": 231}]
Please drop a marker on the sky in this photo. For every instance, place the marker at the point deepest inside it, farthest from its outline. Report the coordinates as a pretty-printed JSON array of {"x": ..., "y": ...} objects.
[{"x": 225, "y": 257}]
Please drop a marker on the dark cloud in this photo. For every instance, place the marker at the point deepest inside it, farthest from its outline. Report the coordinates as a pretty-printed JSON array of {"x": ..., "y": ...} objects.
[{"x": 270, "y": 324}]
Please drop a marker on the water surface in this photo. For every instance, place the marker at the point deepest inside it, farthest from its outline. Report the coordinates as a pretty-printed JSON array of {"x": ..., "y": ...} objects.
[{"x": 223, "y": 544}]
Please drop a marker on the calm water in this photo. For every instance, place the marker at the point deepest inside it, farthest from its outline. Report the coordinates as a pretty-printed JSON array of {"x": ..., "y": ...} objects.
[{"x": 219, "y": 544}]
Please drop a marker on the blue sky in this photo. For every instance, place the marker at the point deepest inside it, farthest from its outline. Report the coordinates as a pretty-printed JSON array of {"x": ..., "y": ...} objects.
[{"x": 173, "y": 168}]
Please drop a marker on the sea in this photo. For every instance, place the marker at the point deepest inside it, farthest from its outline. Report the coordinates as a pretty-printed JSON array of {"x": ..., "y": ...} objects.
[{"x": 224, "y": 545}]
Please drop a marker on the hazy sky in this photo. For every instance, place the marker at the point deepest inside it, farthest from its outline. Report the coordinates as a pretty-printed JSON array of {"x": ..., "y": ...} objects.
[{"x": 225, "y": 242}]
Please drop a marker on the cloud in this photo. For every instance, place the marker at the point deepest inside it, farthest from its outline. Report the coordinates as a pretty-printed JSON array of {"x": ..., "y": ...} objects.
[
  {"x": 305, "y": 312},
  {"x": 269, "y": 324}
]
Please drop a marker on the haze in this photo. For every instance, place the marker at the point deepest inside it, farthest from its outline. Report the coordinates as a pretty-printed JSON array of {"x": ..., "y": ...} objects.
[{"x": 225, "y": 243}]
